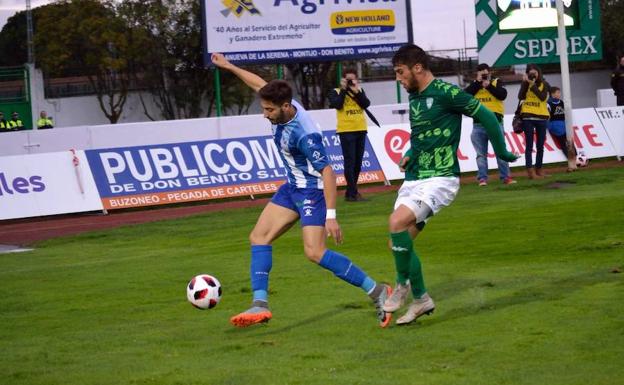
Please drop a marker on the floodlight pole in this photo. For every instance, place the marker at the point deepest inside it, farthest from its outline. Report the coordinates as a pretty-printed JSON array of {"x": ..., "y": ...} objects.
[
  {"x": 562, "y": 46},
  {"x": 29, "y": 33},
  {"x": 338, "y": 73}
]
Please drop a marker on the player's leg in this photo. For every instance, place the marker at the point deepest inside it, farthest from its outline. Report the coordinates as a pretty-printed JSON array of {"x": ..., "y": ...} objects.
[
  {"x": 402, "y": 219},
  {"x": 275, "y": 219},
  {"x": 342, "y": 267},
  {"x": 416, "y": 202},
  {"x": 479, "y": 139},
  {"x": 314, "y": 246}
]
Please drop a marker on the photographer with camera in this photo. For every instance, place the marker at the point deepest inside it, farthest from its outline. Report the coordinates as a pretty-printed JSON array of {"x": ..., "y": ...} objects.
[
  {"x": 534, "y": 112},
  {"x": 491, "y": 93},
  {"x": 350, "y": 103}
]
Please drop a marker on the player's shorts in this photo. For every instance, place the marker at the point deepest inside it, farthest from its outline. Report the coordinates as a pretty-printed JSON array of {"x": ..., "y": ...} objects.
[
  {"x": 436, "y": 192},
  {"x": 308, "y": 202}
]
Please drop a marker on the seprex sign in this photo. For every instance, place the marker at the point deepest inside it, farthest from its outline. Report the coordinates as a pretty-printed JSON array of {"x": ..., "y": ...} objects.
[{"x": 525, "y": 31}]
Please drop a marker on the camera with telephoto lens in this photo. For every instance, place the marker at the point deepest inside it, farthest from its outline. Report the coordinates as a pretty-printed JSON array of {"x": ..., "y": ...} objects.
[{"x": 532, "y": 76}]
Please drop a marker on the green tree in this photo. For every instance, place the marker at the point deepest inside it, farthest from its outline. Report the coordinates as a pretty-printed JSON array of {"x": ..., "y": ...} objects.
[
  {"x": 612, "y": 12},
  {"x": 166, "y": 55},
  {"x": 86, "y": 34},
  {"x": 312, "y": 82}
]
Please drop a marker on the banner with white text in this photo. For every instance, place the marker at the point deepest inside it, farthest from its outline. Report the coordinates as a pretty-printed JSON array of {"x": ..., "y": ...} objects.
[
  {"x": 46, "y": 184},
  {"x": 612, "y": 119},
  {"x": 192, "y": 171},
  {"x": 392, "y": 141},
  {"x": 278, "y": 31}
]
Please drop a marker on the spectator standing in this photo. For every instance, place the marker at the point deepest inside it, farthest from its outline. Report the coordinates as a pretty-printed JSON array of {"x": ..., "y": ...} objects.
[
  {"x": 350, "y": 101},
  {"x": 16, "y": 124},
  {"x": 4, "y": 125},
  {"x": 44, "y": 121},
  {"x": 557, "y": 128},
  {"x": 534, "y": 112},
  {"x": 617, "y": 82},
  {"x": 491, "y": 93}
]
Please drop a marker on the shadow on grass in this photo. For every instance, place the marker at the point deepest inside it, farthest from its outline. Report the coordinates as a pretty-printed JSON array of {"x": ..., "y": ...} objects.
[
  {"x": 546, "y": 291},
  {"x": 322, "y": 317}
]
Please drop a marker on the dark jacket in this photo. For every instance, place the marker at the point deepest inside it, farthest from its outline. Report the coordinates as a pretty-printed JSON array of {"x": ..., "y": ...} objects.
[
  {"x": 498, "y": 91},
  {"x": 617, "y": 81},
  {"x": 541, "y": 95},
  {"x": 336, "y": 99}
]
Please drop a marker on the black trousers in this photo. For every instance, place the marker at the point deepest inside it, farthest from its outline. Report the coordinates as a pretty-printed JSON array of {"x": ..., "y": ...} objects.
[
  {"x": 352, "y": 144},
  {"x": 535, "y": 128}
]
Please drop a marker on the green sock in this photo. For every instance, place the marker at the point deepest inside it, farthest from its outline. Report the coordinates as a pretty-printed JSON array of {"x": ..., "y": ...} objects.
[
  {"x": 401, "y": 249},
  {"x": 407, "y": 263},
  {"x": 416, "y": 276}
]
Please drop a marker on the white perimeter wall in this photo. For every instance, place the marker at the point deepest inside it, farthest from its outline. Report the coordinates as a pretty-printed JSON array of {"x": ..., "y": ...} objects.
[{"x": 85, "y": 110}]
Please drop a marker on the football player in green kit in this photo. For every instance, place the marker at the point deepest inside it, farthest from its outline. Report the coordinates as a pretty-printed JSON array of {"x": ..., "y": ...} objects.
[{"x": 431, "y": 168}]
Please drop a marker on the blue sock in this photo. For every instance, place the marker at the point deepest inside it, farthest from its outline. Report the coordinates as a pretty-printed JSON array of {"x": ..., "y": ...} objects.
[
  {"x": 344, "y": 269},
  {"x": 261, "y": 263}
]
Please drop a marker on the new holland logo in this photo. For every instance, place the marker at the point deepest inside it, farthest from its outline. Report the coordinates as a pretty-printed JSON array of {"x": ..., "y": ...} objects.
[{"x": 238, "y": 7}]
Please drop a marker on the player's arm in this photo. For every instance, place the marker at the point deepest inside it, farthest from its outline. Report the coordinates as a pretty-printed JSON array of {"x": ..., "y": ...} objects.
[
  {"x": 254, "y": 81},
  {"x": 490, "y": 123},
  {"x": 312, "y": 146},
  {"x": 329, "y": 191},
  {"x": 405, "y": 160},
  {"x": 466, "y": 104}
]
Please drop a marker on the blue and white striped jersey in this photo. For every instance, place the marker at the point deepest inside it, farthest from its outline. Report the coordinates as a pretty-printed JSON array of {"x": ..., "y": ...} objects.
[{"x": 300, "y": 142}]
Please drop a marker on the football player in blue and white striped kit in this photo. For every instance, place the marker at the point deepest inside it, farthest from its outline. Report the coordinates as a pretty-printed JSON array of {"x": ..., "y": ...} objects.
[{"x": 309, "y": 195}]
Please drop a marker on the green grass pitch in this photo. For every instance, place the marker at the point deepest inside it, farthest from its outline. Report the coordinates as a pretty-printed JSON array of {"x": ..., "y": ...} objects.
[{"x": 524, "y": 277}]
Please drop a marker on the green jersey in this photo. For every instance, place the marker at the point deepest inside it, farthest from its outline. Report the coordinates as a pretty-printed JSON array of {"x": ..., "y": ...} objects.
[{"x": 435, "y": 120}]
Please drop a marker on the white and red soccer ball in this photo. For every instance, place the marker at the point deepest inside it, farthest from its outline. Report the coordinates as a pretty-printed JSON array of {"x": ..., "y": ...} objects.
[
  {"x": 581, "y": 159},
  {"x": 204, "y": 291}
]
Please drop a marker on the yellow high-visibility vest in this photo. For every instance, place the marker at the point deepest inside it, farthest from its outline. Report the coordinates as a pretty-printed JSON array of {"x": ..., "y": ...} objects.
[
  {"x": 16, "y": 124},
  {"x": 489, "y": 101},
  {"x": 350, "y": 117},
  {"x": 43, "y": 122},
  {"x": 533, "y": 105}
]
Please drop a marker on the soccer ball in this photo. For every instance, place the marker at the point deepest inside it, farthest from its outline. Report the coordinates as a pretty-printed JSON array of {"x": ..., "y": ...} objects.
[
  {"x": 582, "y": 160},
  {"x": 204, "y": 291}
]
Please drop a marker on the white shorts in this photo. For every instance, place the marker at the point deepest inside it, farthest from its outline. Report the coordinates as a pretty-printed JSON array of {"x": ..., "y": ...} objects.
[{"x": 436, "y": 192}]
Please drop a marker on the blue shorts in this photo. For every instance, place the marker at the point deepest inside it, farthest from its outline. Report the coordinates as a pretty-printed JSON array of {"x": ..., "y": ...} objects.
[
  {"x": 308, "y": 202},
  {"x": 557, "y": 127}
]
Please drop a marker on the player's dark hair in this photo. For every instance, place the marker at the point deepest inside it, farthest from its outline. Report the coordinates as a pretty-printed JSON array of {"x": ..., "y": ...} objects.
[
  {"x": 483, "y": 67},
  {"x": 410, "y": 55},
  {"x": 277, "y": 92},
  {"x": 554, "y": 89}
]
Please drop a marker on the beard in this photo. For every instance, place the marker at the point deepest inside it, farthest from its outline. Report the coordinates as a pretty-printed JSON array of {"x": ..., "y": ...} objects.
[
  {"x": 412, "y": 85},
  {"x": 279, "y": 119}
]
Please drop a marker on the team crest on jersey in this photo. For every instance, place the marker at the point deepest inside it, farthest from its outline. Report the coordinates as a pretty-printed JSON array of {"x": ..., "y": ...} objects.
[{"x": 429, "y": 102}]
